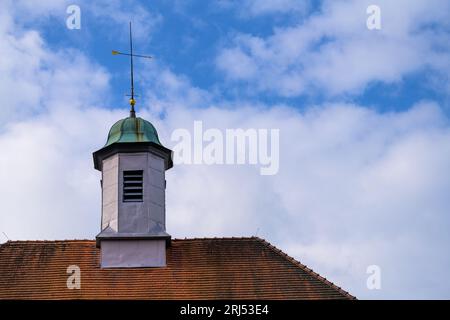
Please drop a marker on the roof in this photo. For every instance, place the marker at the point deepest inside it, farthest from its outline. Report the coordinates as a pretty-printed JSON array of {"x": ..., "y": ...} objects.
[
  {"x": 132, "y": 129},
  {"x": 207, "y": 268}
]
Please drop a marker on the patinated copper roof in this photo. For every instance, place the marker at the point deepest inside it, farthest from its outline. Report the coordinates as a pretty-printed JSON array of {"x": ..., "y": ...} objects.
[
  {"x": 213, "y": 268},
  {"x": 132, "y": 129}
]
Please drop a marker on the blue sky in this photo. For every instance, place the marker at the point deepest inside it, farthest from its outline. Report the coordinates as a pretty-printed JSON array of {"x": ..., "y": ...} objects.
[
  {"x": 188, "y": 36},
  {"x": 363, "y": 118}
]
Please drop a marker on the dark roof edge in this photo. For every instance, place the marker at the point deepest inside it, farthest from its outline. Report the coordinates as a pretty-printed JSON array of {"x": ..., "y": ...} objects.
[
  {"x": 132, "y": 147},
  {"x": 45, "y": 241},
  {"x": 305, "y": 268},
  {"x": 93, "y": 240}
]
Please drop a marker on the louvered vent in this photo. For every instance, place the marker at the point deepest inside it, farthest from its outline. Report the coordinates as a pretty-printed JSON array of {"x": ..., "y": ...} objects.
[{"x": 132, "y": 185}]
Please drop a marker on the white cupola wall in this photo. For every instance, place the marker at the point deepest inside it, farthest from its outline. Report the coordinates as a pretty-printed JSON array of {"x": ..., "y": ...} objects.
[{"x": 133, "y": 220}]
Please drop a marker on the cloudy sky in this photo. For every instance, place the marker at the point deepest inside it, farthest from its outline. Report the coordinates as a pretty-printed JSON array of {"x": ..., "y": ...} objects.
[{"x": 364, "y": 119}]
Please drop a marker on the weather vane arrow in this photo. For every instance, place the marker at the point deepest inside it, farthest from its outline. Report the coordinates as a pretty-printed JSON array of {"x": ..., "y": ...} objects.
[{"x": 131, "y": 55}]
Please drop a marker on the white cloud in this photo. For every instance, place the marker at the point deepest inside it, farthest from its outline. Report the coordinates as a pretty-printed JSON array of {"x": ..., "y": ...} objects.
[
  {"x": 49, "y": 127},
  {"x": 334, "y": 52},
  {"x": 237, "y": 63}
]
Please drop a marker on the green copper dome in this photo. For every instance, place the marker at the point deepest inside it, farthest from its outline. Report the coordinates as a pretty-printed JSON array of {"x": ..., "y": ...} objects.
[{"x": 132, "y": 129}]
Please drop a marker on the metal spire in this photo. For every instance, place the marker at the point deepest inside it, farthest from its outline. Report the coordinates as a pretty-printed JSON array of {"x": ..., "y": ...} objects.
[
  {"x": 114, "y": 52},
  {"x": 132, "y": 101}
]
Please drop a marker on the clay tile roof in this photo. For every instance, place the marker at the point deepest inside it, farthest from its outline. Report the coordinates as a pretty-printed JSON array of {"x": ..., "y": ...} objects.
[{"x": 219, "y": 268}]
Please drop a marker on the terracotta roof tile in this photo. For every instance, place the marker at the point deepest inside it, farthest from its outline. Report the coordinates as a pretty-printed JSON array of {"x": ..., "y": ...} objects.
[{"x": 207, "y": 268}]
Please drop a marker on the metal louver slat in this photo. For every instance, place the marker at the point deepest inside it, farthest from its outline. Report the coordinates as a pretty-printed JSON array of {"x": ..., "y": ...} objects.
[{"x": 133, "y": 186}]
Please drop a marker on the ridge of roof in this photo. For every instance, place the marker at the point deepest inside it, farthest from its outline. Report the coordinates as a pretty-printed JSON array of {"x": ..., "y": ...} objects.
[
  {"x": 93, "y": 240},
  {"x": 215, "y": 238},
  {"x": 46, "y": 241},
  {"x": 304, "y": 268}
]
